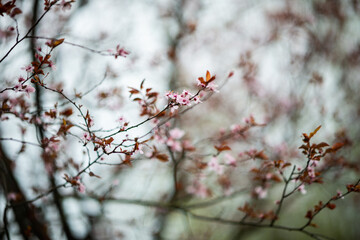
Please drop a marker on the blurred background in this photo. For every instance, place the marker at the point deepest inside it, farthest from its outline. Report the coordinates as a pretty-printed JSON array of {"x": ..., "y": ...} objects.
[{"x": 295, "y": 66}]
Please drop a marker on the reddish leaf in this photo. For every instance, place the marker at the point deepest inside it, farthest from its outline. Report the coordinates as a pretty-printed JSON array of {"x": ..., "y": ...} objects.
[
  {"x": 91, "y": 174},
  {"x": 261, "y": 155},
  {"x": 162, "y": 157},
  {"x": 331, "y": 206},
  {"x": 303, "y": 147},
  {"x": 222, "y": 148},
  {"x": 142, "y": 84},
  {"x": 56, "y": 42},
  {"x": 134, "y": 91},
  {"x": 337, "y": 146},
  {"x": 127, "y": 160},
  {"x": 313, "y": 225},
  {"x": 314, "y": 132},
  {"x": 309, "y": 214},
  {"x": 321, "y": 145},
  {"x": 67, "y": 112},
  {"x": 15, "y": 12},
  {"x": 109, "y": 141},
  {"x": 306, "y": 138}
]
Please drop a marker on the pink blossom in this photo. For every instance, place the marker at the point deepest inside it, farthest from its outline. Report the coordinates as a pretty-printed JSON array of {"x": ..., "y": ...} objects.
[
  {"x": 339, "y": 194},
  {"x": 21, "y": 79},
  {"x": 198, "y": 189},
  {"x": 200, "y": 84},
  {"x": 197, "y": 100},
  {"x": 212, "y": 87},
  {"x": 11, "y": 196},
  {"x": 183, "y": 99},
  {"x": 313, "y": 163},
  {"x": 52, "y": 65},
  {"x": 230, "y": 160},
  {"x": 17, "y": 87},
  {"x": 81, "y": 188},
  {"x": 215, "y": 166},
  {"x": 65, "y": 5},
  {"x": 159, "y": 138},
  {"x": 268, "y": 176},
  {"x": 236, "y": 128},
  {"x": 176, "y": 133},
  {"x": 311, "y": 172},
  {"x": 53, "y": 146},
  {"x": 107, "y": 149},
  {"x": 174, "y": 145},
  {"x": 302, "y": 189},
  {"x": 120, "y": 52},
  {"x": 122, "y": 121},
  {"x": 260, "y": 192},
  {"x": 29, "y": 89},
  {"x": 140, "y": 150},
  {"x": 171, "y": 95},
  {"x": 28, "y": 68},
  {"x": 86, "y": 136}
]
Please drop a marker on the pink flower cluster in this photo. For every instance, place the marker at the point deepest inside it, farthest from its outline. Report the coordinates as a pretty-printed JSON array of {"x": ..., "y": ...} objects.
[
  {"x": 260, "y": 192},
  {"x": 86, "y": 137},
  {"x": 198, "y": 189},
  {"x": 79, "y": 185},
  {"x": 210, "y": 86},
  {"x": 123, "y": 122},
  {"x": 20, "y": 87},
  {"x": 120, "y": 51},
  {"x": 28, "y": 68},
  {"x": 215, "y": 166},
  {"x": 172, "y": 139},
  {"x": 66, "y": 5},
  {"x": 183, "y": 99}
]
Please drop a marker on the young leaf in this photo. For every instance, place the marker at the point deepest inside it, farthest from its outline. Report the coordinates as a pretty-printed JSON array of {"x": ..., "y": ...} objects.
[
  {"x": 91, "y": 174},
  {"x": 331, "y": 206},
  {"x": 222, "y": 148},
  {"x": 142, "y": 84},
  {"x": 337, "y": 146},
  {"x": 57, "y": 42},
  {"x": 314, "y": 132},
  {"x": 162, "y": 157}
]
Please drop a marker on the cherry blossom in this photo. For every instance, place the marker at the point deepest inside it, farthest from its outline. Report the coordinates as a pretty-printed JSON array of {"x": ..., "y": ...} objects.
[
  {"x": 29, "y": 89},
  {"x": 230, "y": 160},
  {"x": 119, "y": 52},
  {"x": 86, "y": 136},
  {"x": 260, "y": 192},
  {"x": 174, "y": 145},
  {"x": 28, "y": 68},
  {"x": 215, "y": 166},
  {"x": 198, "y": 189},
  {"x": 302, "y": 189},
  {"x": 81, "y": 188},
  {"x": 65, "y": 5},
  {"x": 176, "y": 133}
]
